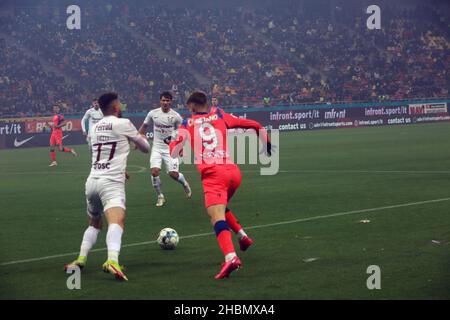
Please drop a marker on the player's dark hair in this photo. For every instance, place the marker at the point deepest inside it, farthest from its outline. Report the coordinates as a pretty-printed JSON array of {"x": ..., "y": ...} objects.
[
  {"x": 106, "y": 99},
  {"x": 198, "y": 98},
  {"x": 166, "y": 94}
]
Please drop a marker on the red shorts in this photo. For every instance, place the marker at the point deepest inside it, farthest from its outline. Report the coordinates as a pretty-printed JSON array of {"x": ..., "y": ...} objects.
[
  {"x": 56, "y": 139},
  {"x": 220, "y": 183}
]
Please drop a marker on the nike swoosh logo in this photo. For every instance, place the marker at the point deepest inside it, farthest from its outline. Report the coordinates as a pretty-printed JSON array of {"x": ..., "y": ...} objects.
[
  {"x": 65, "y": 136},
  {"x": 19, "y": 143}
]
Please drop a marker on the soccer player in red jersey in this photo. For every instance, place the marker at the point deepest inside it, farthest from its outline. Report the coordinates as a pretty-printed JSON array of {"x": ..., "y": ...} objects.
[
  {"x": 56, "y": 139},
  {"x": 207, "y": 132},
  {"x": 214, "y": 104}
]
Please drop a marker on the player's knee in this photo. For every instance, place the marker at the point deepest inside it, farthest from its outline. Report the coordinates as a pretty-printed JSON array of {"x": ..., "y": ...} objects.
[
  {"x": 116, "y": 215},
  {"x": 121, "y": 223},
  {"x": 174, "y": 175},
  {"x": 117, "y": 220},
  {"x": 219, "y": 226},
  {"x": 97, "y": 223},
  {"x": 155, "y": 172},
  {"x": 216, "y": 213}
]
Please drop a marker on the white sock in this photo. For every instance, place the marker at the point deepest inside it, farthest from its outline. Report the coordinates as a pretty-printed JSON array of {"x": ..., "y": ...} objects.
[
  {"x": 114, "y": 241},
  {"x": 181, "y": 179},
  {"x": 230, "y": 256},
  {"x": 156, "y": 181},
  {"x": 113, "y": 255},
  {"x": 240, "y": 234},
  {"x": 89, "y": 240}
]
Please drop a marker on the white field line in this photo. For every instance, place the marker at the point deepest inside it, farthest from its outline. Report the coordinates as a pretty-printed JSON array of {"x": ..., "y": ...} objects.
[
  {"x": 337, "y": 214},
  {"x": 144, "y": 170},
  {"x": 139, "y": 169}
]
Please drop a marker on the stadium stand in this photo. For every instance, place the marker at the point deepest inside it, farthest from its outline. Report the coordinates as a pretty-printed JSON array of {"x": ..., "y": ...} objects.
[{"x": 266, "y": 56}]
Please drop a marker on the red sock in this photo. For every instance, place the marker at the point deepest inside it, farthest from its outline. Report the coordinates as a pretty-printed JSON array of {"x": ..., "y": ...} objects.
[
  {"x": 225, "y": 242},
  {"x": 67, "y": 150},
  {"x": 53, "y": 155},
  {"x": 232, "y": 222}
]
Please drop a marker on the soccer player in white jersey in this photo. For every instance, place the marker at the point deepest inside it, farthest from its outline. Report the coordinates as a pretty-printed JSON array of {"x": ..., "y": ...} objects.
[
  {"x": 92, "y": 115},
  {"x": 165, "y": 123},
  {"x": 105, "y": 186}
]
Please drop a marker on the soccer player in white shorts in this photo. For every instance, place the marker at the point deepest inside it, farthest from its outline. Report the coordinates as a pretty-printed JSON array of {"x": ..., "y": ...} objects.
[
  {"x": 93, "y": 115},
  {"x": 105, "y": 186},
  {"x": 165, "y": 123}
]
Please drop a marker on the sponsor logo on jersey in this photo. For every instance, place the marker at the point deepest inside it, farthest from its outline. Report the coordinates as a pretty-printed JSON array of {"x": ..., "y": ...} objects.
[
  {"x": 104, "y": 127},
  {"x": 163, "y": 126}
]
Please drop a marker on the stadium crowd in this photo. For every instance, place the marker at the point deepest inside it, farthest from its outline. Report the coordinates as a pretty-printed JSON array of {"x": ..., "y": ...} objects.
[{"x": 278, "y": 55}]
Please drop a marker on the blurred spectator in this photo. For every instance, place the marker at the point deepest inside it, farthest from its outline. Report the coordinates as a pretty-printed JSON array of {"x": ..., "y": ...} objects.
[{"x": 266, "y": 56}]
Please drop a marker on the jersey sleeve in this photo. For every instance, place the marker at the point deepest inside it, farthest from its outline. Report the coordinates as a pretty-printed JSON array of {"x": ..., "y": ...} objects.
[
  {"x": 178, "y": 120},
  {"x": 235, "y": 122},
  {"x": 148, "y": 118},
  {"x": 176, "y": 125},
  {"x": 127, "y": 129},
  {"x": 85, "y": 118}
]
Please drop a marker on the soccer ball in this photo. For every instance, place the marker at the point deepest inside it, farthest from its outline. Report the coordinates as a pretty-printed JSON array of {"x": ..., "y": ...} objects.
[{"x": 168, "y": 239}]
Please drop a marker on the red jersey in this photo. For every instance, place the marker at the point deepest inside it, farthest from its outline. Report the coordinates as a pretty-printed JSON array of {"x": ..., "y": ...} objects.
[
  {"x": 57, "y": 120},
  {"x": 207, "y": 133}
]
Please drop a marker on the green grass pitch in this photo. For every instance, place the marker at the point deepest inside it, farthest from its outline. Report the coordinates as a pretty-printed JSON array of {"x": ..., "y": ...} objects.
[{"x": 329, "y": 181}]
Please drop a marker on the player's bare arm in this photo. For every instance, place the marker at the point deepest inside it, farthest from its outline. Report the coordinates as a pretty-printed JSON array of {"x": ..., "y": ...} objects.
[
  {"x": 141, "y": 143},
  {"x": 83, "y": 122},
  {"x": 143, "y": 129}
]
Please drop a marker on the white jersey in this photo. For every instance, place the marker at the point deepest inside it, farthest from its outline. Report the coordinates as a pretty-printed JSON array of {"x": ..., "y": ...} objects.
[
  {"x": 92, "y": 116},
  {"x": 164, "y": 125},
  {"x": 110, "y": 147}
]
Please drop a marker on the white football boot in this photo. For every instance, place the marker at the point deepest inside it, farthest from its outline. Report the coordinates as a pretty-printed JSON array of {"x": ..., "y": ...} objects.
[
  {"x": 187, "y": 190},
  {"x": 161, "y": 200}
]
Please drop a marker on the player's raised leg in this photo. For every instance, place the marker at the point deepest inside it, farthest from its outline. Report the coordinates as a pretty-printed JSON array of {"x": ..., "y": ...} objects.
[
  {"x": 223, "y": 234},
  {"x": 173, "y": 166},
  {"x": 244, "y": 240},
  {"x": 67, "y": 150},
  {"x": 179, "y": 177},
  {"x": 89, "y": 240},
  {"x": 235, "y": 179},
  {"x": 116, "y": 219}
]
